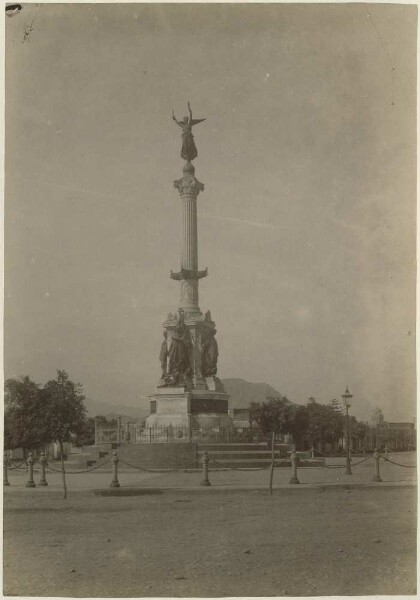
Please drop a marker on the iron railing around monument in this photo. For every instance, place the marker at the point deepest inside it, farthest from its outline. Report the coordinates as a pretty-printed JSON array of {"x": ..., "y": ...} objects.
[
  {"x": 134, "y": 433},
  {"x": 161, "y": 435}
]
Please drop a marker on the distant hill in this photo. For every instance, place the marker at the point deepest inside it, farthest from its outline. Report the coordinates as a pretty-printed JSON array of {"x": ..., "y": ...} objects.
[
  {"x": 242, "y": 392},
  {"x": 112, "y": 411}
]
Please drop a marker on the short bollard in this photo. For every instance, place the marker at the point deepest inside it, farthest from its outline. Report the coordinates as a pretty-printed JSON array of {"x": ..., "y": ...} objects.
[
  {"x": 205, "y": 461},
  {"x": 5, "y": 479},
  {"x": 115, "y": 461},
  {"x": 376, "y": 456},
  {"x": 294, "y": 460},
  {"x": 43, "y": 463},
  {"x": 30, "y": 461}
]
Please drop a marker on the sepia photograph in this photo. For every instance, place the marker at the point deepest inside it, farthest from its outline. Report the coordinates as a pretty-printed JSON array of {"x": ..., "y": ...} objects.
[{"x": 209, "y": 320}]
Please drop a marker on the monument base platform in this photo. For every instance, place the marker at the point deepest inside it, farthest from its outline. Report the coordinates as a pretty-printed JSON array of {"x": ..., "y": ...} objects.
[{"x": 193, "y": 409}]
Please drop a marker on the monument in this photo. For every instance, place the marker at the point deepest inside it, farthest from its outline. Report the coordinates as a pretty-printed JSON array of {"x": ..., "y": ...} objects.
[{"x": 189, "y": 394}]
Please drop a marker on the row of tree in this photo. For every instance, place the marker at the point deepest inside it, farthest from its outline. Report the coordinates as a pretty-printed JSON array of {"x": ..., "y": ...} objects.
[
  {"x": 35, "y": 416},
  {"x": 313, "y": 424}
]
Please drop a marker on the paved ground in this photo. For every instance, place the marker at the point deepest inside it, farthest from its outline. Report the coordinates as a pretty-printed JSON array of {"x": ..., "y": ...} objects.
[
  {"x": 256, "y": 479},
  {"x": 297, "y": 542}
]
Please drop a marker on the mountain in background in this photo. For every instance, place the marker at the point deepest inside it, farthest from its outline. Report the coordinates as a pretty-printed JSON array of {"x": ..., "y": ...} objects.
[
  {"x": 110, "y": 410},
  {"x": 241, "y": 393}
]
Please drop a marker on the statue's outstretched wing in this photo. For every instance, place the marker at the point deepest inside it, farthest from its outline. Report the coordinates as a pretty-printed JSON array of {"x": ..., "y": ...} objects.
[{"x": 195, "y": 121}]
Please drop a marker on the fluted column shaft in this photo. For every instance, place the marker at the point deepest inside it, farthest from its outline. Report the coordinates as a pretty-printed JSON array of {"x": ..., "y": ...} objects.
[
  {"x": 189, "y": 233},
  {"x": 189, "y": 260}
]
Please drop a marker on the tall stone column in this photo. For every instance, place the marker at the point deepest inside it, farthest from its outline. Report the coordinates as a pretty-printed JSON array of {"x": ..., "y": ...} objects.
[{"x": 189, "y": 187}]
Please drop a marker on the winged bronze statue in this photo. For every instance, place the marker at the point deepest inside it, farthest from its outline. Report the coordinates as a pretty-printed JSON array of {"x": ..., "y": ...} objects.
[{"x": 188, "y": 149}]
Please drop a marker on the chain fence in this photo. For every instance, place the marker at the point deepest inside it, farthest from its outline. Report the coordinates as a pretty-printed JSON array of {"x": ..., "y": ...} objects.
[
  {"x": 223, "y": 467},
  {"x": 399, "y": 464},
  {"x": 332, "y": 455},
  {"x": 361, "y": 461},
  {"x": 79, "y": 471},
  {"x": 201, "y": 463},
  {"x": 184, "y": 469},
  {"x": 19, "y": 466}
]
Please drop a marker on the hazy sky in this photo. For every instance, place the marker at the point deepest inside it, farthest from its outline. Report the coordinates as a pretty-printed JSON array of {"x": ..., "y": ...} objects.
[{"x": 307, "y": 222}]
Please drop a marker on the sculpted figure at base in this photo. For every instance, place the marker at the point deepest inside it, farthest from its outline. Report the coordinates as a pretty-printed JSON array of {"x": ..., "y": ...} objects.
[
  {"x": 209, "y": 355},
  {"x": 188, "y": 149},
  {"x": 179, "y": 365},
  {"x": 163, "y": 355}
]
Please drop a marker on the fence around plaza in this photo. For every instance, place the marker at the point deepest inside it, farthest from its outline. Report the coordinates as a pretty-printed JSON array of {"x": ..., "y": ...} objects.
[{"x": 207, "y": 465}]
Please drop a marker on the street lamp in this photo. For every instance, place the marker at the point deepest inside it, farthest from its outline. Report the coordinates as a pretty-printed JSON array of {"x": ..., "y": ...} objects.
[{"x": 346, "y": 401}]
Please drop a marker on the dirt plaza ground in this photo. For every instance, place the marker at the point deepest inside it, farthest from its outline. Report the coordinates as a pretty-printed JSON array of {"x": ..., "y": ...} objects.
[{"x": 218, "y": 541}]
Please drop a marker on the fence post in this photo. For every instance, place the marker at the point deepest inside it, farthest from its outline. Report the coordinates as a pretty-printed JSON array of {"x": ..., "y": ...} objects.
[
  {"x": 205, "y": 470},
  {"x": 5, "y": 479},
  {"x": 42, "y": 462},
  {"x": 376, "y": 456},
  {"x": 114, "y": 482},
  {"x": 294, "y": 461},
  {"x": 30, "y": 482}
]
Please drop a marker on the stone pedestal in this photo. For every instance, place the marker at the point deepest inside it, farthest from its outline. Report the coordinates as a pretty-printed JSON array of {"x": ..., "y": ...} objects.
[{"x": 189, "y": 409}]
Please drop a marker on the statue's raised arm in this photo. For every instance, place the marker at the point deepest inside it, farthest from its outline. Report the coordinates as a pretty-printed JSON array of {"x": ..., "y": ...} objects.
[
  {"x": 180, "y": 123},
  {"x": 189, "y": 149}
]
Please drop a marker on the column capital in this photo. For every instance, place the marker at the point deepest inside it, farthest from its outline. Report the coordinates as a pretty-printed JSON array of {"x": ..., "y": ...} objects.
[{"x": 188, "y": 185}]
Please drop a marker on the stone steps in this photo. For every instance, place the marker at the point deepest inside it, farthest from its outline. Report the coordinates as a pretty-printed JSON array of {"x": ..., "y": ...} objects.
[
  {"x": 252, "y": 455},
  {"x": 217, "y": 447},
  {"x": 241, "y": 454},
  {"x": 261, "y": 463}
]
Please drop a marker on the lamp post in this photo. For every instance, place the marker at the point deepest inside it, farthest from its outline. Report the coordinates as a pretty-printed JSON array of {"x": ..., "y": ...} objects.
[{"x": 346, "y": 401}]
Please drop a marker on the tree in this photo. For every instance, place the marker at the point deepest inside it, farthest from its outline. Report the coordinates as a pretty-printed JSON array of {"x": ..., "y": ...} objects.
[
  {"x": 325, "y": 424},
  {"x": 101, "y": 420},
  {"x": 336, "y": 406},
  {"x": 298, "y": 425},
  {"x": 361, "y": 431},
  {"x": 315, "y": 430},
  {"x": 24, "y": 415},
  {"x": 334, "y": 424},
  {"x": 65, "y": 412},
  {"x": 272, "y": 416},
  {"x": 86, "y": 435}
]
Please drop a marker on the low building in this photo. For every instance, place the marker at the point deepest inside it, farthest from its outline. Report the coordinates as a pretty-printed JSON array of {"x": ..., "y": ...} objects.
[{"x": 397, "y": 436}]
